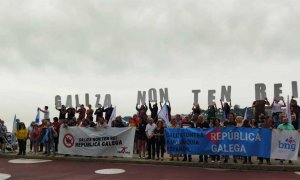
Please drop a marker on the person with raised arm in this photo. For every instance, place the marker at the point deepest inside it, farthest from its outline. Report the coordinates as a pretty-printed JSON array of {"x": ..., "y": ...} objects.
[
  {"x": 259, "y": 108},
  {"x": 154, "y": 111},
  {"x": 277, "y": 110},
  {"x": 226, "y": 107},
  {"x": 46, "y": 113}
]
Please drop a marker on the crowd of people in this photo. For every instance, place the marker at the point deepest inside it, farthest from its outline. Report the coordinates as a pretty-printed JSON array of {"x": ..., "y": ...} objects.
[{"x": 149, "y": 142}]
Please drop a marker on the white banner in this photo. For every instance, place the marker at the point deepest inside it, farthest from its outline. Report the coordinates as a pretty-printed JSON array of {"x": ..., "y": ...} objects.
[
  {"x": 96, "y": 141},
  {"x": 285, "y": 144}
]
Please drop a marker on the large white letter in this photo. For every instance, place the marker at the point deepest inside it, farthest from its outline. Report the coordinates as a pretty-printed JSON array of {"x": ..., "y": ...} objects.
[
  {"x": 294, "y": 89},
  {"x": 98, "y": 96},
  {"x": 277, "y": 91},
  {"x": 226, "y": 93},
  {"x": 196, "y": 98},
  {"x": 152, "y": 95},
  {"x": 107, "y": 100},
  {"x": 57, "y": 101},
  {"x": 211, "y": 97},
  {"x": 87, "y": 99},
  {"x": 260, "y": 91},
  {"x": 69, "y": 101},
  {"x": 77, "y": 100},
  {"x": 141, "y": 99},
  {"x": 164, "y": 95}
]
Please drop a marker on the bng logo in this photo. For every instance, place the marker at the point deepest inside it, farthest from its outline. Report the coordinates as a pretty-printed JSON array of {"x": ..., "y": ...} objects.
[{"x": 288, "y": 144}]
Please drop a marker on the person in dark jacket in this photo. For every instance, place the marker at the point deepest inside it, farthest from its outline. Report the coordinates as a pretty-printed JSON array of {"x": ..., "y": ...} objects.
[
  {"x": 108, "y": 111},
  {"x": 154, "y": 111}
]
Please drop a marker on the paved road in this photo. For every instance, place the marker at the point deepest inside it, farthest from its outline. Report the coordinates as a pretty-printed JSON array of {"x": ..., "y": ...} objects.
[{"x": 86, "y": 170}]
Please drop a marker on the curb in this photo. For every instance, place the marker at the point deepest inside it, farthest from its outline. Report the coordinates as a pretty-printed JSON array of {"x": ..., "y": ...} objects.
[{"x": 117, "y": 160}]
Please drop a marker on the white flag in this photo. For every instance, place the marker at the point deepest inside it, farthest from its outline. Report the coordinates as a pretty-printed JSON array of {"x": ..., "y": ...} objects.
[
  {"x": 14, "y": 128},
  {"x": 288, "y": 110},
  {"x": 112, "y": 117},
  {"x": 246, "y": 114},
  {"x": 164, "y": 114}
]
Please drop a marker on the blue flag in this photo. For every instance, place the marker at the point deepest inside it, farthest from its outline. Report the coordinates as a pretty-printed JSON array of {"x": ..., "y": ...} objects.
[
  {"x": 37, "y": 118},
  {"x": 45, "y": 137}
]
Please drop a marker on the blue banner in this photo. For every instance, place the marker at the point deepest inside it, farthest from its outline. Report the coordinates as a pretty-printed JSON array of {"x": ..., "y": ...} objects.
[{"x": 219, "y": 141}]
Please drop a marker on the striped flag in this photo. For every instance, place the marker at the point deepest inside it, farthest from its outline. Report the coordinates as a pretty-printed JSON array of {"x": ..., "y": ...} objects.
[
  {"x": 164, "y": 114},
  {"x": 112, "y": 117},
  {"x": 37, "y": 118}
]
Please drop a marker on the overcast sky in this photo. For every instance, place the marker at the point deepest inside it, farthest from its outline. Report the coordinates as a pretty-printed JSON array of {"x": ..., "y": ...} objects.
[{"x": 118, "y": 47}]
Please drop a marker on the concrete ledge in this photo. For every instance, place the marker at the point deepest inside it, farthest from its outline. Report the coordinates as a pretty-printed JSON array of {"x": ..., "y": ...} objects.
[{"x": 238, "y": 167}]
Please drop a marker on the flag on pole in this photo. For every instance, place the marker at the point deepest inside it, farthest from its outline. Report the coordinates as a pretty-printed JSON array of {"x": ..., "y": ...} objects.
[
  {"x": 288, "y": 110},
  {"x": 14, "y": 129},
  {"x": 246, "y": 114},
  {"x": 112, "y": 117},
  {"x": 164, "y": 114},
  {"x": 37, "y": 118}
]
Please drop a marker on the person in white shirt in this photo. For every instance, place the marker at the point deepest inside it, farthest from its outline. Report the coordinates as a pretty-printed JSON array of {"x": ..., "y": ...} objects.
[
  {"x": 150, "y": 128},
  {"x": 46, "y": 113},
  {"x": 276, "y": 110}
]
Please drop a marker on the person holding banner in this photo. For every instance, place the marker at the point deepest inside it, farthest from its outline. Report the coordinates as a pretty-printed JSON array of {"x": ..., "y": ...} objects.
[
  {"x": 230, "y": 123},
  {"x": 186, "y": 123},
  {"x": 141, "y": 137},
  {"x": 159, "y": 140},
  {"x": 247, "y": 159},
  {"x": 174, "y": 125},
  {"x": 201, "y": 123},
  {"x": 150, "y": 128},
  {"x": 268, "y": 123},
  {"x": 285, "y": 126},
  {"x": 216, "y": 124}
]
